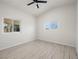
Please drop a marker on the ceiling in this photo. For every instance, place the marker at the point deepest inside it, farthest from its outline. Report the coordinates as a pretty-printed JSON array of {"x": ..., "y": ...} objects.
[{"x": 32, "y": 9}]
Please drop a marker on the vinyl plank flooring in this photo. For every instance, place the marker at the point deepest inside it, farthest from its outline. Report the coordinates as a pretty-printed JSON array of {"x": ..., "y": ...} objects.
[{"x": 39, "y": 49}]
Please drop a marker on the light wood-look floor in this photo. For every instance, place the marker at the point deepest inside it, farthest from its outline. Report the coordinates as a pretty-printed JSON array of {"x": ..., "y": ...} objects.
[{"x": 38, "y": 49}]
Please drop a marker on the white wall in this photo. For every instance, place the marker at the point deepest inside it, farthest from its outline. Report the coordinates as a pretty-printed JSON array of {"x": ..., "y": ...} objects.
[
  {"x": 27, "y": 32},
  {"x": 67, "y": 33}
]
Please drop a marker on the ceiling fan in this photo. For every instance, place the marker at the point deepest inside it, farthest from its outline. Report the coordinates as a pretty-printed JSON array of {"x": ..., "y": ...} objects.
[{"x": 37, "y": 1}]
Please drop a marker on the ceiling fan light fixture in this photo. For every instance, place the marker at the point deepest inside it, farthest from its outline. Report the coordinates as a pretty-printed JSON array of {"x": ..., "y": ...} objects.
[{"x": 37, "y": 1}]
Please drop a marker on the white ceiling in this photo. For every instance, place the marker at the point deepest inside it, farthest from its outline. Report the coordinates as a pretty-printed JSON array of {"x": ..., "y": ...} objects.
[{"x": 32, "y": 9}]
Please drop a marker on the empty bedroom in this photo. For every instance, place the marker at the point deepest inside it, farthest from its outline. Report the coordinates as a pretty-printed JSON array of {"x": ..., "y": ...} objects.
[{"x": 38, "y": 29}]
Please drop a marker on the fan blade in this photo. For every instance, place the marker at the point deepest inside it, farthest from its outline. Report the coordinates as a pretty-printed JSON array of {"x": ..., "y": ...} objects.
[
  {"x": 37, "y": 6},
  {"x": 30, "y": 3},
  {"x": 41, "y": 1}
]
